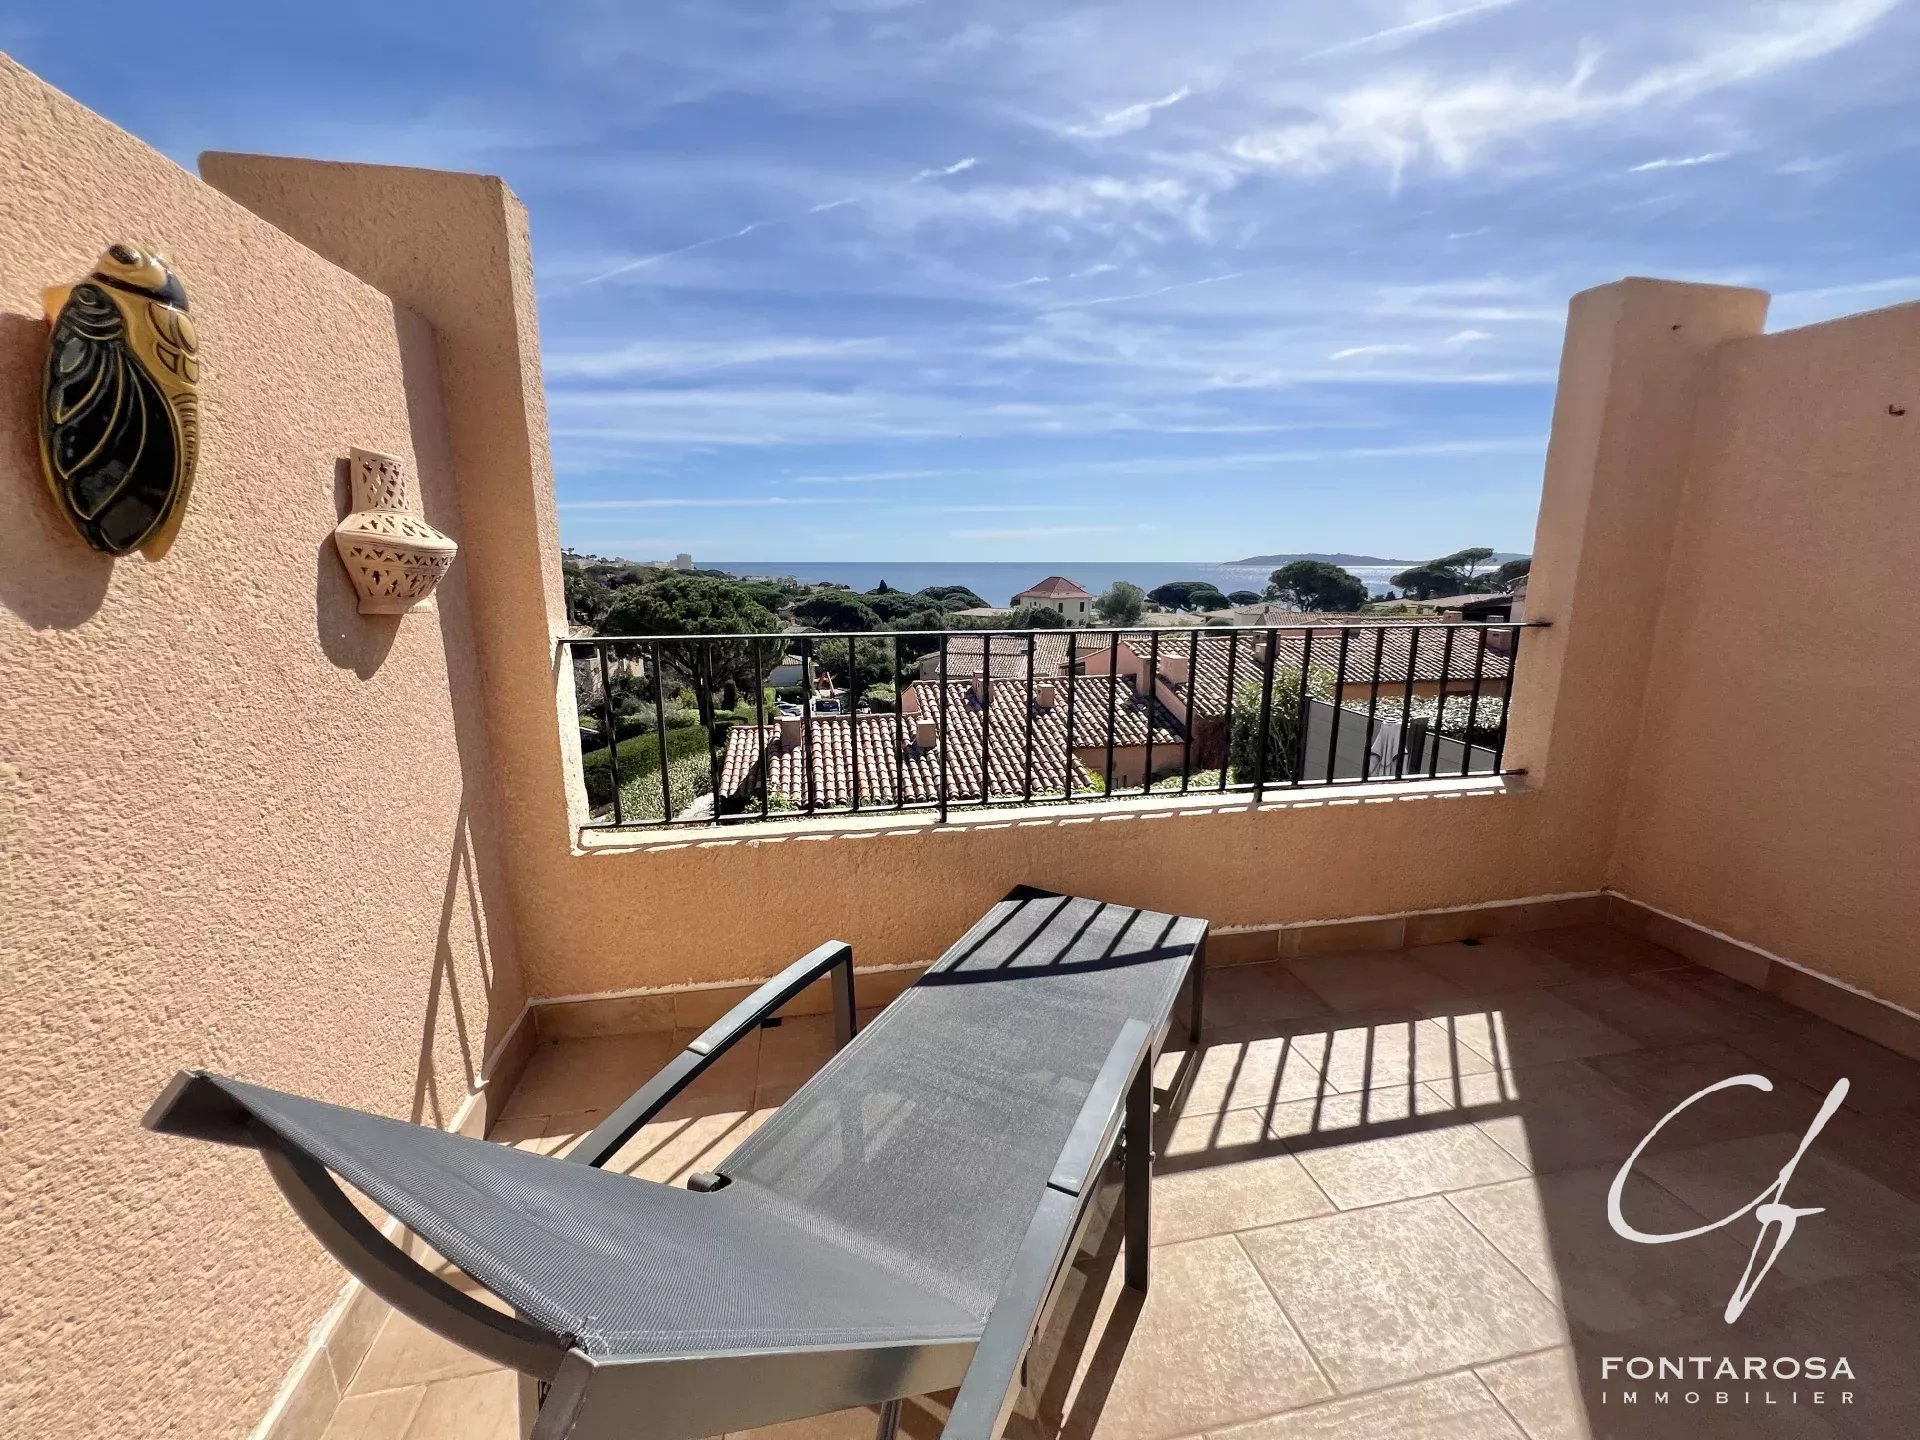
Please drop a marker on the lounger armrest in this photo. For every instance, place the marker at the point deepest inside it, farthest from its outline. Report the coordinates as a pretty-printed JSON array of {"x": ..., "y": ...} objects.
[
  {"x": 987, "y": 1394},
  {"x": 611, "y": 1133}
]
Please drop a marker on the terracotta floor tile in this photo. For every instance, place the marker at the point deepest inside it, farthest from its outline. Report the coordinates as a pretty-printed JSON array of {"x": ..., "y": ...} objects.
[
  {"x": 1384, "y": 980},
  {"x": 1367, "y": 1053},
  {"x": 474, "y": 1407},
  {"x": 1217, "y": 1173},
  {"x": 1658, "y": 1079},
  {"x": 1865, "y": 1226},
  {"x": 1453, "y": 1407},
  {"x": 1399, "y": 1292},
  {"x": 1366, "y": 1150},
  {"x": 1655, "y": 1008},
  {"x": 1603, "y": 950},
  {"x": 383, "y": 1415},
  {"x": 1531, "y": 1027},
  {"x": 1496, "y": 966},
  {"x": 1556, "y": 1116},
  {"x": 855, "y": 1424},
  {"x": 406, "y": 1353},
  {"x": 582, "y": 1074},
  {"x": 791, "y": 1051},
  {"x": 1241, "y": 994},
  {"x": 1817, "y": 1053},
  {"x": 667, "y": 1151},
  {"x": 737, "y": 1070},
  {"x": 1542, "y": 1392},
  {"x": 1208, "y": 1348},
  {"x": 1244, "y": 1066},
  {"x": 1554, "y": 1229}
]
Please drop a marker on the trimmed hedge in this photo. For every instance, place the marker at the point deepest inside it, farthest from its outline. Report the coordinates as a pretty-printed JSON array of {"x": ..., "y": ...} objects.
[{"x": 638, "y": 756}]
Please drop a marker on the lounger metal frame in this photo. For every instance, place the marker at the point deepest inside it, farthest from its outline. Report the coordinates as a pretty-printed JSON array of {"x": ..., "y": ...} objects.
[{"x": 610, "y": 1398}]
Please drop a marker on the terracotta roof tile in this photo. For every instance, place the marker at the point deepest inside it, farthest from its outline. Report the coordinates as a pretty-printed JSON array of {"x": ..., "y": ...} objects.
[{"x": 1055, "y": 587}]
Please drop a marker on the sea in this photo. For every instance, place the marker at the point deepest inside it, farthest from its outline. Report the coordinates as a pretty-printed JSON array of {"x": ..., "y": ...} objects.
[{"x": 998, "y": 581}]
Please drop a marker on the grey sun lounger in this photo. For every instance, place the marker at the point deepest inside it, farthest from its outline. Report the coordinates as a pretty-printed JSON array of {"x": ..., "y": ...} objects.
[{"x": 898, "y": 1227}]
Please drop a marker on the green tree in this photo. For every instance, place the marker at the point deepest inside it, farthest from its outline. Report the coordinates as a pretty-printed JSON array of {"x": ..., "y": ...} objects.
[
  {"x": 1121, "y": 603},
  {"x": 1511, "y": 573},
  {"x": 1243, "y": 597},
  {"x": 836, "y": 612},
  {"x": 891, "y": 605},
  {"x": 1036, "y": 617},
  {"x": 871, "y": 663},
  {"x": 587, "y": 598},
  {"x": 670, "y": 603},
  {"x": 1428, "y": 581},
  {"x": 1467, "y": 562},
  {"x": 1282, "y": 753},
  {"x": 1317, "y": 585},
  {"x": 953, "y": 597},
  {"x": 1187, "y": 595}
]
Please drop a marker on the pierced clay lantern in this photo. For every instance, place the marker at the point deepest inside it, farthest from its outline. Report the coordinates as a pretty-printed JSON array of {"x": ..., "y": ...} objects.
[{"x": 394, "y": 557}]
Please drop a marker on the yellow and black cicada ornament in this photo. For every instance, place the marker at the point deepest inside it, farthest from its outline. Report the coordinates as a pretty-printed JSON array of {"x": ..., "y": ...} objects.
[{"x": 119, "y": 412}]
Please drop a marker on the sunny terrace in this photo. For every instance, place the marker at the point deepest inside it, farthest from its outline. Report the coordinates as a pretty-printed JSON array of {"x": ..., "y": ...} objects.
[{"x": 354, "y": 856}]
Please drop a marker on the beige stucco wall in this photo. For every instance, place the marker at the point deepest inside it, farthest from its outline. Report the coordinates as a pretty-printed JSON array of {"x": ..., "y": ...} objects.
[
  {"x": 243, "y": 826},
  {"x": 1773, "y": 782}
]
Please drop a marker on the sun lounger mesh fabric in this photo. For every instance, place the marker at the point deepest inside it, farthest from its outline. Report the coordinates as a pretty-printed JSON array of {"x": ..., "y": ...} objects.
[
  {"x": 927, "y": 1142},
  {"x": 884, "y": 1201}
]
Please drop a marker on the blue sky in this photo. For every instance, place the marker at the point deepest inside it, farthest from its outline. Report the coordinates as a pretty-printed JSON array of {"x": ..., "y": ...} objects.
[{"x": 885, "y": 279}]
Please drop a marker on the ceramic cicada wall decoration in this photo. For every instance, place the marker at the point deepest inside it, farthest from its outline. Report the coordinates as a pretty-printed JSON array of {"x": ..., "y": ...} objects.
[{"x": 120, "y": 412}]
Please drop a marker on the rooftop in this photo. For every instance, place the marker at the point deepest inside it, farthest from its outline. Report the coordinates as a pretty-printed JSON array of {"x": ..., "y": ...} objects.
[
  {"x": 1054, "y": 587},
  {"x": 893, "y": 767},
  {"x": 1376, "y": 1211}
]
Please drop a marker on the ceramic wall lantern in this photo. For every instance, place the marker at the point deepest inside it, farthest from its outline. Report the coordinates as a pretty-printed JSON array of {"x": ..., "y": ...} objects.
[
  {"x": 393, "y": 556},
  {"x": 119, "y": 402}
]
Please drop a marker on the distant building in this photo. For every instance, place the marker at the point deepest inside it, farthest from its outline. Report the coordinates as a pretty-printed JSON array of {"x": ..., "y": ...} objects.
[{"x": 1059, "y": 594}]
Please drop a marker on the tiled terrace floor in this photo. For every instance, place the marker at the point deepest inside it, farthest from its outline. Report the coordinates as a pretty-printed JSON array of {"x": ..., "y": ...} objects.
[{"x": 1380, "y": 1211}]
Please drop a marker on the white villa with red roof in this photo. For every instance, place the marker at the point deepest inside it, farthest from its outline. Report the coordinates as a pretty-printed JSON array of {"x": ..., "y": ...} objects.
[{"x": 1058, "y": 593}]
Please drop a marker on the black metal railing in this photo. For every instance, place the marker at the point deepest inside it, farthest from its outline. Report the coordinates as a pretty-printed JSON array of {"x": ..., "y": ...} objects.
[{"x": 727, "y": 729}]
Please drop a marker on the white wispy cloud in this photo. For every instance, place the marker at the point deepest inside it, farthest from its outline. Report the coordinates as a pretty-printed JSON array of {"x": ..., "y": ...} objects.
[
  {"x": 958, "y": 167},
  {"x": 1101, "y": 269},
  {"x": 1132, "y": 117},
  {"x": 1451, "y": 345},
  {"x": 1400, "y": 34},
  {"x": 873, "y": 477},
  {"x": 1047, "y": 532},
  {"x": 667, "y": 358},
  {"x": 701, "y": 502},
  {"x": 1455, "y": 123},
  {"x": 1023, "y": 284},
  {"x": 1677, "y": 162},
  {"x": 1154, "y": 293}
]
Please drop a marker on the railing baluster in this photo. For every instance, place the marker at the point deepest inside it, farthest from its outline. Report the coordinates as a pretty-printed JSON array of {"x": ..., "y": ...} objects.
[
  {"x": 1266, "y": 717},
  {"x": 1113, "y": 701},
  {"x": 1153, "y": 691},
  {"x": 1506, "y": 701},
  {"x": 1440, "y": 705},
  {"x": 660, "y": 733},
  {"x": 1073, "y": 692},
  {"x": 941, "y": 799},
  {"x": 1473, "y": 701},
  {"x": 712, "y": 723},
  {"x": 613, "y": 732},
  {"x": 1406, "y": 703},
  {"x": 1373, "y": 700},
  {"x": 853, "y": 721},
  {"x": 760, "y": 723},
  {"x": 899, "y": 742},
  {"x": 1302, "y": 710},
  {"x": 986, "y": 720},
  {"x": 1193, "y": 671},
  {"x": 806, "y": 725},
  {"x": 1233, "y": 656},
  {"x": 1026, "y": 774},
  {"x": 1339, "y": 695}
]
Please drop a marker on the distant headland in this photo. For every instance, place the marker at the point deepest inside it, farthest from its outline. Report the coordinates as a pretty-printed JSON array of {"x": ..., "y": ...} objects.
[{"x": 1338, "y": 558}]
